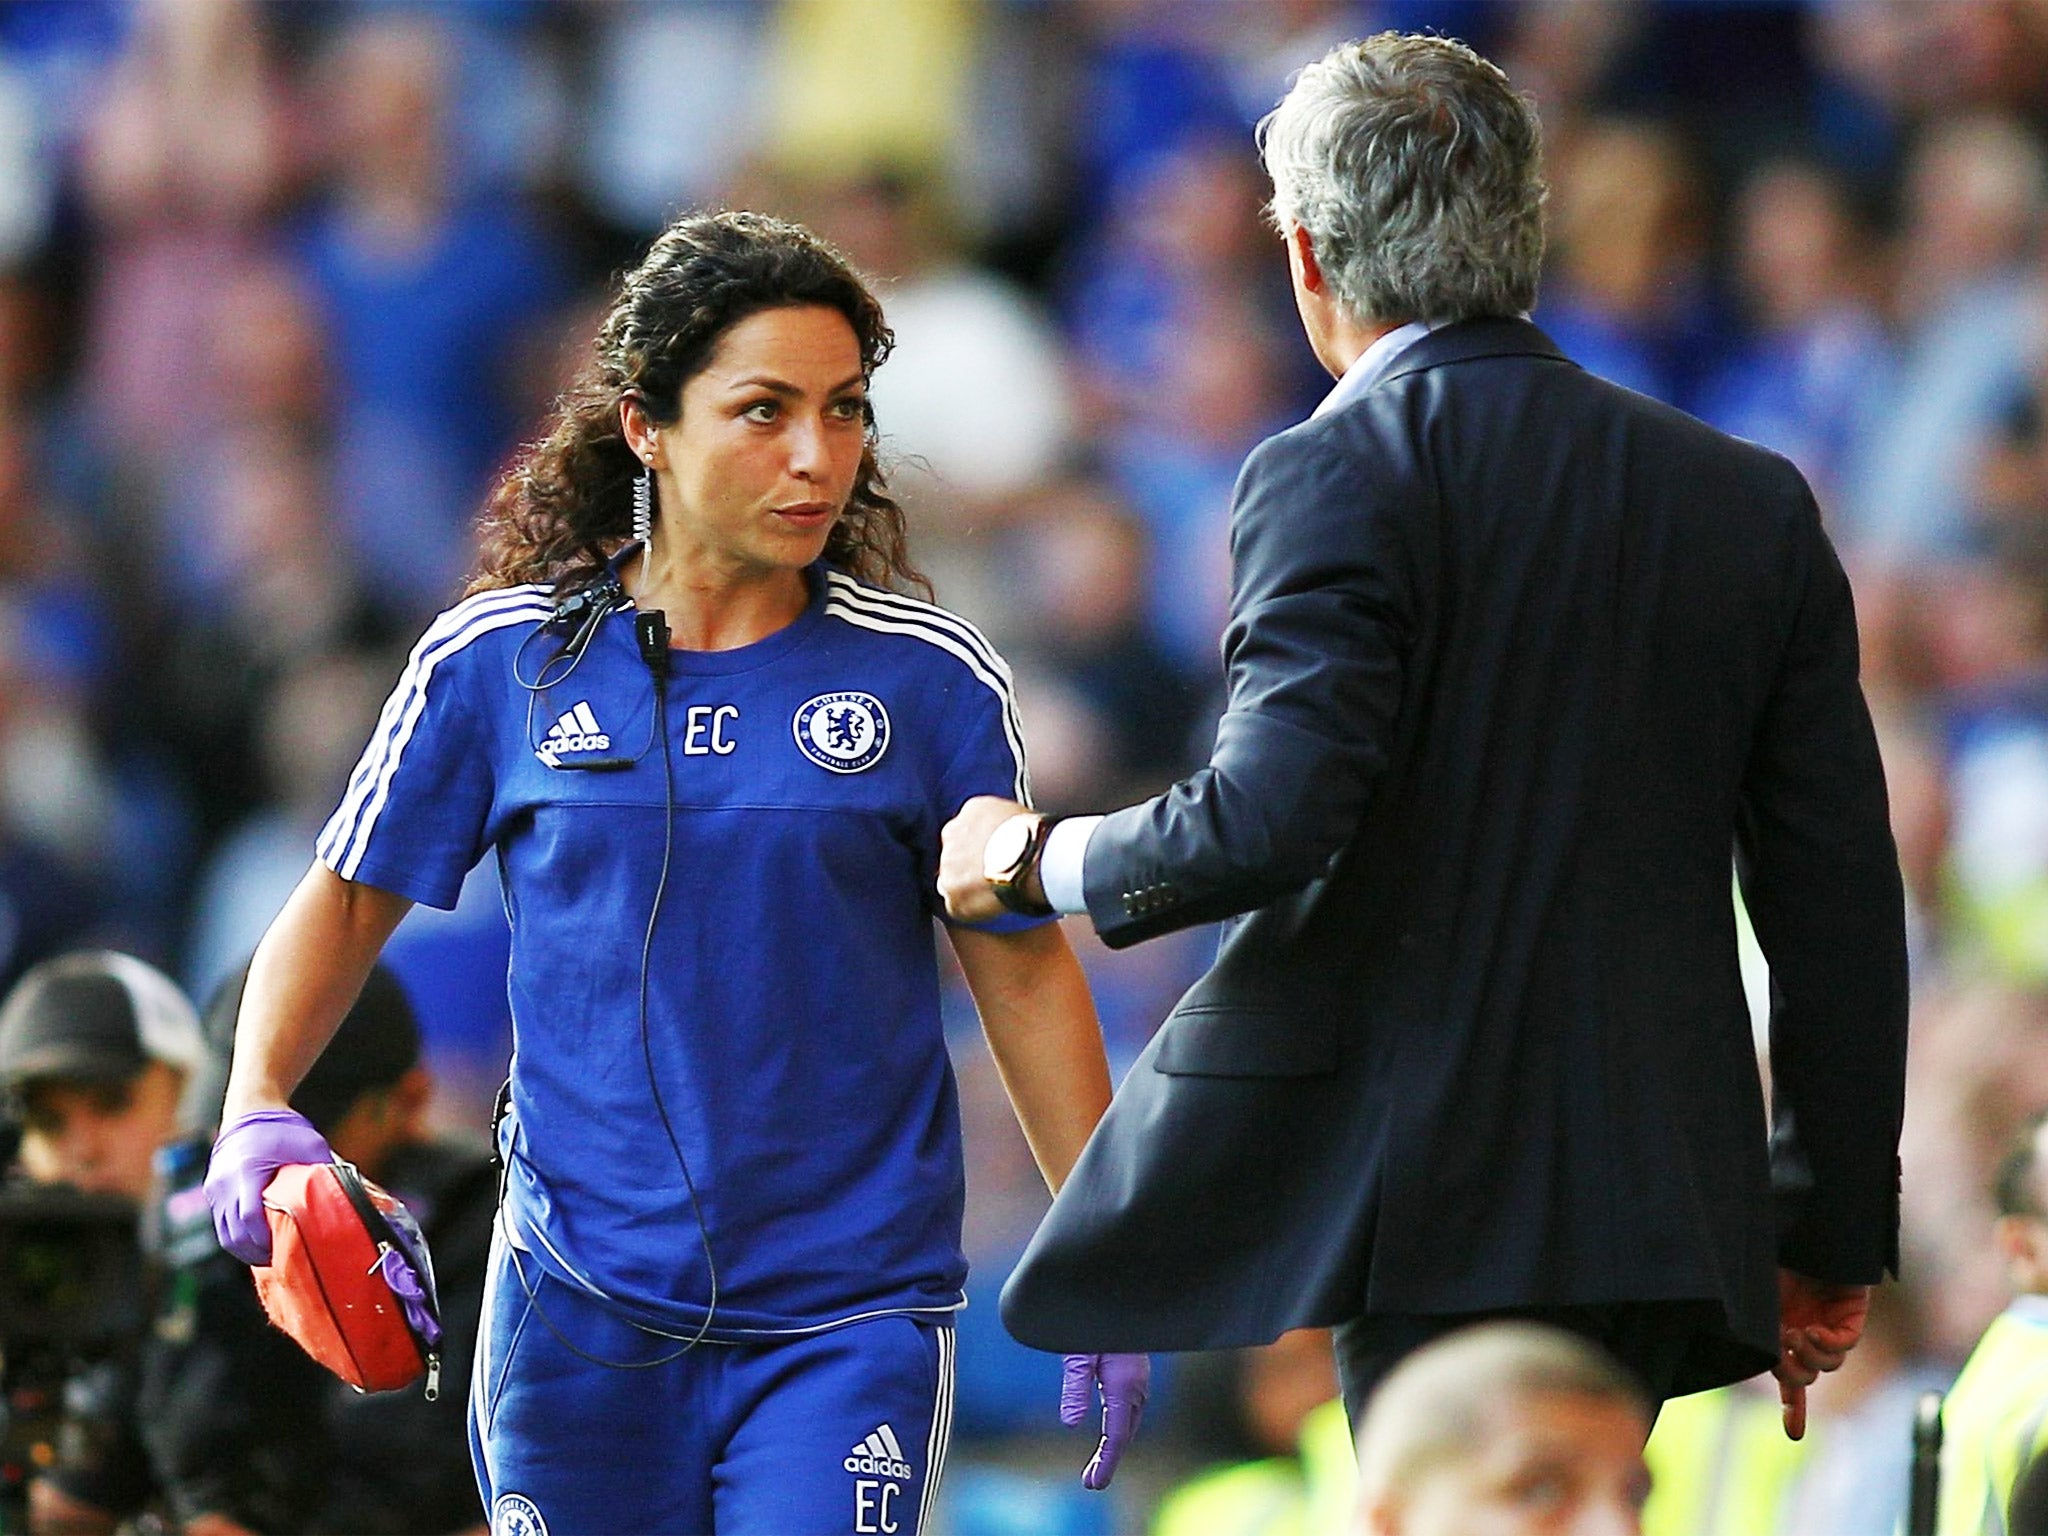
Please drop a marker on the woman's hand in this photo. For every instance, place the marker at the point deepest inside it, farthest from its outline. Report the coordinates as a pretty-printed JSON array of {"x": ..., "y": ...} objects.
[
  {"x": 1125, "y": 1382},
  {"x": 963, "y": 848},
  {"x": 246, "y": 1157}
]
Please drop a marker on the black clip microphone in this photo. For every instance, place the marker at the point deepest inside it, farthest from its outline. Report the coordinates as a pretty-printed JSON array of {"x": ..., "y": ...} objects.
[
  {"x": 650, "y": 629},
  {"x": 578, "y": 614}
]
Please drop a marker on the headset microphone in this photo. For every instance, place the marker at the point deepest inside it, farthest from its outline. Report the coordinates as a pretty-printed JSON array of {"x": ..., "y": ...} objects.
[
  {"x": 575, "y": 624},
  {"x": 651, "y": 630}
]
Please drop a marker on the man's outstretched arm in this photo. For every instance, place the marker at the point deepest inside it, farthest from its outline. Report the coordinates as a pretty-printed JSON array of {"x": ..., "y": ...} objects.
[{"x": 1322, "y": 613}]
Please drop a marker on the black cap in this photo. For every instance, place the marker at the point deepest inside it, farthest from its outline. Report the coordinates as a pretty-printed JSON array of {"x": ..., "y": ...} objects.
[
  {"x": 95, "y": 1016},
  {"x": 377, "y": 1044}
]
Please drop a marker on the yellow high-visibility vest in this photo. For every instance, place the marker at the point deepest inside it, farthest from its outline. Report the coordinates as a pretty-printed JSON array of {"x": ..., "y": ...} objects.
[
  {"x": 1994, "y": 1420},
  {"x": 1311, "y": 1496},
  {"x": 1329, "y": 1463},
  {"x": 1251, "y": 1498},
  {"x": 1720, "y": 1465}
]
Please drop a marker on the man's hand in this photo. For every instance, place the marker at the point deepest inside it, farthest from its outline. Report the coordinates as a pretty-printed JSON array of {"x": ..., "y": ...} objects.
[
  {"x": 1818, "y": 1324},
  {"x": 1126, "y": 1381},
  {"x": 962, "y": 844}
]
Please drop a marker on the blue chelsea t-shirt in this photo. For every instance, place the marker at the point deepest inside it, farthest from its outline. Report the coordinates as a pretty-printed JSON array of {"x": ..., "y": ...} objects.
[{"x": 792, "y": 994}]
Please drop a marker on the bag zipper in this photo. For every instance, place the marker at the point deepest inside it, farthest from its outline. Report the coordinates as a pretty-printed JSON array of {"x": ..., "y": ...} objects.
[{"x": 430, "y": 1352}]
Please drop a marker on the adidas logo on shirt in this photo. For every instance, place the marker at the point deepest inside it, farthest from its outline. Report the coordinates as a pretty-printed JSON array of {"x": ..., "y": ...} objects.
[
  {"x": 577, "y": 731},
  {"x": 879, "y": 1456}
]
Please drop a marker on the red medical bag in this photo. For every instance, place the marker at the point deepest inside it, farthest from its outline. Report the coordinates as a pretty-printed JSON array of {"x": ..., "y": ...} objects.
[{"x": 325, "y": 1285}]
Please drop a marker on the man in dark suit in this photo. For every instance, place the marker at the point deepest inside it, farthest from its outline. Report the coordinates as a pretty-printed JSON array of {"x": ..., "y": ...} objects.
[{"x": 1517, "y": 660}]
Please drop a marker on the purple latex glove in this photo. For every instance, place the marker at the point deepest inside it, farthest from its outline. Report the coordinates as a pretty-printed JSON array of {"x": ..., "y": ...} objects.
[
  {"x": 246, "y": 1154},
  {"x": 1125, "y": 1381},
  {"x": 405, "y": 1285}
]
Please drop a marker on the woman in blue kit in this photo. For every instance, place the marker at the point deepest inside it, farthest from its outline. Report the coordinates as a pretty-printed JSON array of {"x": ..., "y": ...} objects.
[{"x": 711, "y": 745}]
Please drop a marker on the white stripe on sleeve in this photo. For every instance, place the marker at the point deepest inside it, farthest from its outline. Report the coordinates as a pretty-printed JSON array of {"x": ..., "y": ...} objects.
[
  {"x": 340, "y": 828},
  {"x": 342, "y": 847},
  {"x": 887, "y": 614}
]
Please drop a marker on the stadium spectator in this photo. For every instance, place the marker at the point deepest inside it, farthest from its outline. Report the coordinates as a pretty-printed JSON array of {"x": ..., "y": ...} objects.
[
  {"x": 1176, "y": 459},
  {"x": 1506, "y": 1429},
  {"x": 1299, "y": 1475},
  {"x": 975, "y": 392},
  {"x": 1971, "y": 331},
  {"x": 1629, "y": 296},
  {"x": 314, "y": 714},
  {"x": 1995, "y": 1417},
  {"x": 429, "y": 288},
  {"x": 59, "y": 821},
  {"x": 674, "y": 106},
  {"x": 1083, "y": 560},
  {"x": 1978, "y": 1072},
  {"x": 187, "y": 156},
  {"x": 1991, "y": 641},
  {"x": 1817, "y": 357},
  {"x": 1150, "y": 82},
  {"x": 1181, "y": 233}
]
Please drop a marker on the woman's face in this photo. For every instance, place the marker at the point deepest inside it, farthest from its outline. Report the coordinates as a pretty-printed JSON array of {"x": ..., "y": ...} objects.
[{"x": 763, "y": 458}]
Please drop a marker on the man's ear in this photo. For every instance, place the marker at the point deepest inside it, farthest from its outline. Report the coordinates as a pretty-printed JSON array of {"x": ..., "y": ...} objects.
[{"x": 1303, "y": 251}]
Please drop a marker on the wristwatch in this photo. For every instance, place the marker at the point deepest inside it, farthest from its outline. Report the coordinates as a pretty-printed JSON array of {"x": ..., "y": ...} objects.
[{"x": 1012, "y": 854}]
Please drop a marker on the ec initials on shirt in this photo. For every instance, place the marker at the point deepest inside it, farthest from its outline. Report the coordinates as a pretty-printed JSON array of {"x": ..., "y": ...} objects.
[
  {"x": 704, "y": 730},
  {"x": 874, "y": 1507}
]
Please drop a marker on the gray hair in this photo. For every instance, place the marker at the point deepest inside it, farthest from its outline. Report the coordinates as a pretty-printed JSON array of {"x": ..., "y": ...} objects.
[{"x": 1417, "y": 171}]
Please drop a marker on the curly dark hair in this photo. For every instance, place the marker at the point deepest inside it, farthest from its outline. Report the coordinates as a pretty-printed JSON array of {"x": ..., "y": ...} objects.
[{"x": 565, "y": 504}]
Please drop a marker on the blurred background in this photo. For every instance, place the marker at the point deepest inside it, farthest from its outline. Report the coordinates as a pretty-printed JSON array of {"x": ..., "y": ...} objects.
[{"x": 282, "y": 285}]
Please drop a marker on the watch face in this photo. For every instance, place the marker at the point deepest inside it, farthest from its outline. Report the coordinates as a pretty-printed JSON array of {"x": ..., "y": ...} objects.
[{"x": 1006, "y": 847}]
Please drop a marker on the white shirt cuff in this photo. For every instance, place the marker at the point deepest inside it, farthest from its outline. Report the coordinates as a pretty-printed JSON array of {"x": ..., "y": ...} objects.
[{"x": 1060, "y": 867}]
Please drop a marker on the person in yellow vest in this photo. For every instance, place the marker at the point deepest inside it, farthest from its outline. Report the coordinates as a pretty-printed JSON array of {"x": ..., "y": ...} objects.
[
  {"x": 1720, "y": 1465},
  {"x": 1279, "y": 1390},
  {"x": 1504, "y": 1429},
  {"x": 1329, "y": 1470},
  {"x": 1995, "y": 1419}
]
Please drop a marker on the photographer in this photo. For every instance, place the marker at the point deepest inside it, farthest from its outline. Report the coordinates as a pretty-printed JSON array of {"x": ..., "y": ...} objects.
[
  {"x": 101, "y": 1059},
  {"x": 209, "y": 1416},
  {"x": 388, "y": 1462}
]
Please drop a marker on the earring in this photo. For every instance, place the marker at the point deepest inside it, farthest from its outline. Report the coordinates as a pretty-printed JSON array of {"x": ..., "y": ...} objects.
[{"x": 643, "y": 505}]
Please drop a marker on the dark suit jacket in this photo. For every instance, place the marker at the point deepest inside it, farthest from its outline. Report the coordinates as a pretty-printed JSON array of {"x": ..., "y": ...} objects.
[{"x": 1517, "y": 660}]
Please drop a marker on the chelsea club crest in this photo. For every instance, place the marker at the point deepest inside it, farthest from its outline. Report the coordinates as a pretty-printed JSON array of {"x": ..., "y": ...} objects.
[
  {"x": 516, "y": 1515},
  {"x": 844, "y": 732}
]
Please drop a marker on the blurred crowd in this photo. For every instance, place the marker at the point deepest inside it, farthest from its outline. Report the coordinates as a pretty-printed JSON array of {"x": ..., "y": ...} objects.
[{"x": 281, "y": 287}]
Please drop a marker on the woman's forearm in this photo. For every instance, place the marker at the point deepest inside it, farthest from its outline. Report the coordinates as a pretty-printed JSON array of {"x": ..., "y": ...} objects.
[
  {"x": 306, "y": 974},
  {"x": 1042, "y": 1031}
]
